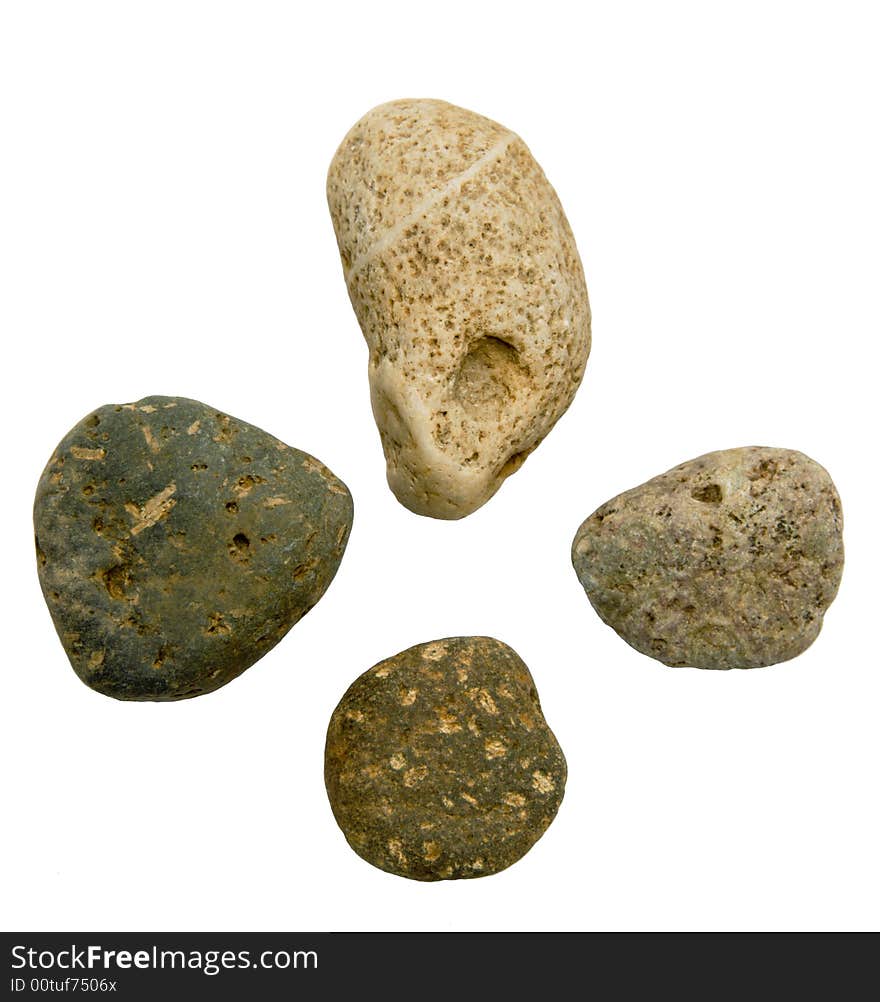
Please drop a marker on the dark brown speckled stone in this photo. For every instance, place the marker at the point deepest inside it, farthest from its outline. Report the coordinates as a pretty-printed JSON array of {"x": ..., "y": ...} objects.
[
  {"x": 439, "y": 763},
  {"x": 177, "y": 545}
]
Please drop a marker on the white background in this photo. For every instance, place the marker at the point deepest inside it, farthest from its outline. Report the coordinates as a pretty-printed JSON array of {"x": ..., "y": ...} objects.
[{"x": 164, "y": 230}]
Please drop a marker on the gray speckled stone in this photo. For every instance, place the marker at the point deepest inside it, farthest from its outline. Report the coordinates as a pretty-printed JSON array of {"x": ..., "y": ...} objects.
[
  {"x": 177, "y": 545},
  {"x": 727, "y": 561},
  {"x": 439, "y": 763}
]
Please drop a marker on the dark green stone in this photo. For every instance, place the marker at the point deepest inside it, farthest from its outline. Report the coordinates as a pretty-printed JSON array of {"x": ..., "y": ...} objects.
[
  {"x": 439, "y": 763},
  {"x": 177, "y": 545}
]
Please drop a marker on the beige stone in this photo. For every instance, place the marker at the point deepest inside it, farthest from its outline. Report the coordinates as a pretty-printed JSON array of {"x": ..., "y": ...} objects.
[{"x": 465, "y": 278}]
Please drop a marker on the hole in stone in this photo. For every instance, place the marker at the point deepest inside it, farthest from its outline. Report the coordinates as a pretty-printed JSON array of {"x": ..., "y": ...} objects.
[
  {"x": 708, "y": 494},
  {"x": 490, "y": 373},
  {"x": 239, "y": 548},
  {"x": 513, "y": 463},
  {"x": 232, "y": 507},
  {"x": 301, "y": 570},
  {"x": 116, "y": 580}
]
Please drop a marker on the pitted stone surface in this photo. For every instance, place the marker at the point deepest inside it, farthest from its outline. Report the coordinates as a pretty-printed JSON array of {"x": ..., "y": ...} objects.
[
  {"x": 177, "y": 545},
  {"x": 466, "y": 280},
  {"x": 727, "y": 561},
  {"x": 439, "y": 763}
]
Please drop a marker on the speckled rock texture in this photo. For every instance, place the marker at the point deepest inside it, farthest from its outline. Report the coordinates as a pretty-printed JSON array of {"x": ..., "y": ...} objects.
[
  {"x": 177, "y": 545},
  {"x": 439, "y": 763},
  {"x": 727, "y": 561},
  {"x": 465, "y": 278}
]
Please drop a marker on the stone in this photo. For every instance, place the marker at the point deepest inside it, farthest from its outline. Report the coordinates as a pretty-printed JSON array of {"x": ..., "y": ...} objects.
[
  {"x": 439, "y": 764},
  {"x": 466, "y": 280},
  {"x": 177, "y": 545},
  {"x": 727, "y": 561}
]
